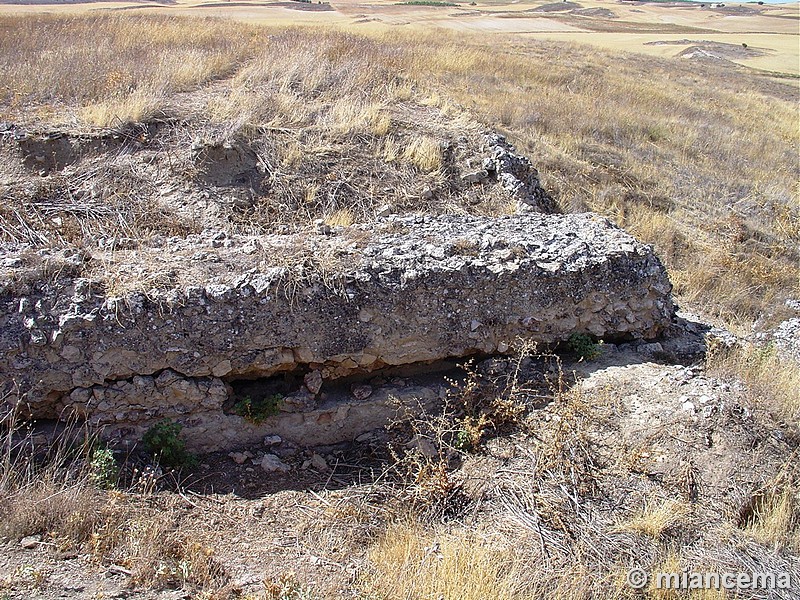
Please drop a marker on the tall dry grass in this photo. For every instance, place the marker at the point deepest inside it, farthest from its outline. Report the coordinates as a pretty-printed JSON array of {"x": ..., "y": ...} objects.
[
  {"x": 654, "y": 520},
  {"x": 772, "y": 380},
  {"x": 409, "y": 561},
  {"x": 110, "y": 70},
  {"x": 60, "y": 495},
  {"x": 332, "y": 80},
  {"x": 412, "y": 563}
]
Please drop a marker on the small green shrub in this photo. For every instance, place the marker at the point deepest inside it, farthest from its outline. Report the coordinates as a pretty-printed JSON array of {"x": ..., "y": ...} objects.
[
  {"x": 584, "y": 347},
  {"x": 163, "y": 442},
  {"x": 258, "y": 411},
  {"x": 462, "y": 441},
  {"x": 470, "y": 433},
  {"x": 103, "y": 470}
]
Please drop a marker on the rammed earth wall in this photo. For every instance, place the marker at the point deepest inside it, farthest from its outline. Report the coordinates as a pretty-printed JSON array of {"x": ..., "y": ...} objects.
[{"x": 403, "y": 291}]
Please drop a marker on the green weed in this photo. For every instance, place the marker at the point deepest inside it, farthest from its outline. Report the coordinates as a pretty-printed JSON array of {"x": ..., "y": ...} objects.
[
  {"x": 163, "y": 442},
  {"x": 259, "y": 410},
  {"x": 583, "y": 346}
]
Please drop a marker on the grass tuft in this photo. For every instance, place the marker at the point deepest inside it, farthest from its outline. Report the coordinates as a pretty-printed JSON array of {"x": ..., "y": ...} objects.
[
  {"x": 411, "y": 563},
  {"x": 657, "y": 519},
  {"x": 424, "y": 152},
  {"x": 772, "y": 381}
]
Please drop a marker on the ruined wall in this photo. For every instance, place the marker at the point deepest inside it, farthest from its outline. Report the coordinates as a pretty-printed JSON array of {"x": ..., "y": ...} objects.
[{"x": 319, "y": 306}]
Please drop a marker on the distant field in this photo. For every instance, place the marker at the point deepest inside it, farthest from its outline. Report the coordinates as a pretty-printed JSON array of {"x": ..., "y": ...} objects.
[{"x": 613, "y": 25}]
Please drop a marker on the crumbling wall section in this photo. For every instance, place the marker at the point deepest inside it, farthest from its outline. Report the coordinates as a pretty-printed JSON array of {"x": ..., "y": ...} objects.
[{"x": 408, "y": 290}]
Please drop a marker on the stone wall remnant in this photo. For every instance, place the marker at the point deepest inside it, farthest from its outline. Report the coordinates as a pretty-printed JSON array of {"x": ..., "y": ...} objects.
[{"x": 405, "y": 290}]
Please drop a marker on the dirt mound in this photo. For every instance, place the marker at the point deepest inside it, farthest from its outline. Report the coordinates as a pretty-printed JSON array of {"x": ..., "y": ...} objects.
[
  {"x": 229, "y": 163},
  {"x": 595, "y": 12},
  {"x": 166, "y": 178},
  {"x": 46, "y": 150},
  {"x": 713, "y": 50},
  {"x": 556, "y": 7}
]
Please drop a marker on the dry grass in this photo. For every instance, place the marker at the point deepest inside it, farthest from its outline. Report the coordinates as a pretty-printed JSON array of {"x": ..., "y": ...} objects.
[
  {"x": 154, "y": 540},
  {"x": 772, "y": 514},
  {"x": 673, "y": 151},
  {"x": 341, "y": 217},
  {"x": 547, "y": 521},
  {"x": 411, "y": 563},
  {"x": 425, "y": 153},
  {"x": 127, "y": 76},
  {"x": 776, "y": 518},
  {"x": 138, "y": 106},
  {"x": 48, "y": 502},
  {"x": 772, "y": 382},
  {"x": 340, "y": 83},
  {"x": 656, "y": 519},
  {"x": 456, "y": 563},
  {"x": 60, "y": 497},
  {"x": 109, "y": 201},
  {"x": 555, "y": 523}
]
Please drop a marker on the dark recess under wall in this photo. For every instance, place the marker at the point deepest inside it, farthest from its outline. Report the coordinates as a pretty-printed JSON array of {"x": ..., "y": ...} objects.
[{"x": 261, "y": 389}]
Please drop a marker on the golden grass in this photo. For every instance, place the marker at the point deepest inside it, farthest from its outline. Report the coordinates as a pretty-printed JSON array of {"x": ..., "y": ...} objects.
[
  {"x": 675, "y": 152},
  {"x": 139, "y": 106},
  {"x": 671, "y": 563},
  {"x": 656, "y": 519},
  {"x": 424, "y": 152},
  {"x": 771, "y": 381},
  {"x": 47, "y": 505},
  {"x": 342, "y": 217},
  {"x": 113, "y": 68},
  {"x": 381, "y": 123},
  {"x": 339, "y": 82},
  {"x": 409, "y": 560},
  {"x": 112, "y": 528},
  {"x": 411, "y": 563},
  {"x": 153, "y": 542},
  {"x": 392, "y": 150},
  {"x": 776, "y": 519}
]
